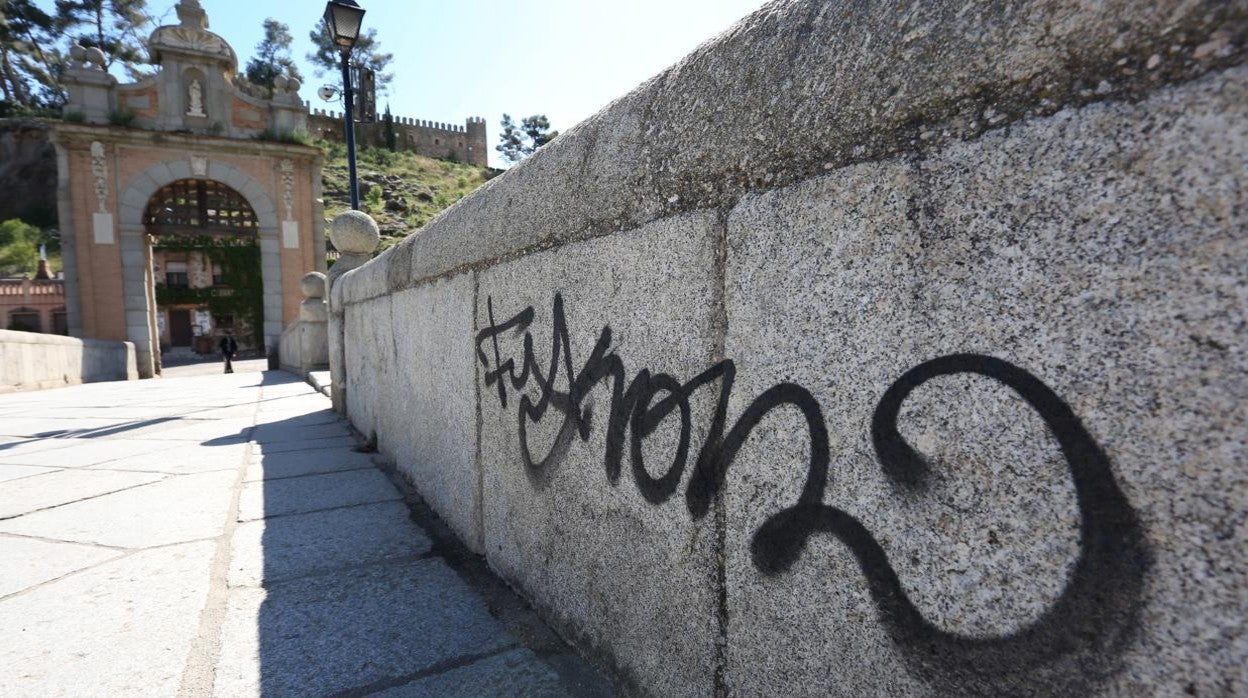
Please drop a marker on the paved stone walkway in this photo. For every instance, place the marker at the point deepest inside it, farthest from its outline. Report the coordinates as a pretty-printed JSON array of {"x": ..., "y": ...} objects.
[{"x": 218, "y": 535}]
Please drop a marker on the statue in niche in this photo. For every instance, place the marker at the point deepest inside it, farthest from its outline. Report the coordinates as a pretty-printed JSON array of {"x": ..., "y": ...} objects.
[{"x": 196, "y": 99}]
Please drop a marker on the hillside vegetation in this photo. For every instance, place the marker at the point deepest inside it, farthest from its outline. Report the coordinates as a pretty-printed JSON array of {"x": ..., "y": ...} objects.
[{"x": 401, "y": 190}]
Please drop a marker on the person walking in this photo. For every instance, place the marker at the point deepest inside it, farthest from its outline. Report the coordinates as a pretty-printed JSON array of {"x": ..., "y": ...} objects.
[{"x": 229, "y": 347}]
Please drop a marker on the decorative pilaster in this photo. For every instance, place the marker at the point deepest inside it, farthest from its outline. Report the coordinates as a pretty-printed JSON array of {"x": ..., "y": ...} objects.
[
  {"x": 290, "y": 226},
  {"x": 102, "y": 223}
]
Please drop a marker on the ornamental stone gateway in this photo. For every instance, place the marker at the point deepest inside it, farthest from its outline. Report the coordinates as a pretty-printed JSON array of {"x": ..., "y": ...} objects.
[{"x": 157, "y": 177}]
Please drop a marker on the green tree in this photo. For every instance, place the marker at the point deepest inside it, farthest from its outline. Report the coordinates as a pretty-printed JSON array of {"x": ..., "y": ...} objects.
[
  {"x": 119, "y": 28},
  {"x": 272, "y": 57},
  {"x": 367, "y": 53},
  {"x": 19, "y": 247},
  {"x": 518, "y": 142},
  {"x": 29, "y": 65},
  {"x": 392, "y": 138}
]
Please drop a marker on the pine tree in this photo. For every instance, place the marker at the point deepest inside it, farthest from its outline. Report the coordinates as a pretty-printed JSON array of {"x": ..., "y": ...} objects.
[
  {"x": 119, "y": 28},
  {"x": 518, "y": 142},
  {"x": 537, "y": 128},
  {"x": 392, "y": 138},
  {"x": 28, "y": 71},
  {"x": 272, "y": 57},
  {"x": 367, "y": 53}
]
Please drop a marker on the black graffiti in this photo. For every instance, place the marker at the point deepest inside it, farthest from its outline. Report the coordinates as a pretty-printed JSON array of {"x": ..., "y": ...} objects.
[{"x": 1072, "y": 644}]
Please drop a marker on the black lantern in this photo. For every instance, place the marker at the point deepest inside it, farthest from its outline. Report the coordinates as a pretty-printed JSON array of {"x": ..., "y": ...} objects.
[{"x": 342, "y": 20}]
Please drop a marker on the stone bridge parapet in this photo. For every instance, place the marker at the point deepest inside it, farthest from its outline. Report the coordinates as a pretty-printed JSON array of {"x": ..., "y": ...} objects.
[{"x": 863, "y": 352}]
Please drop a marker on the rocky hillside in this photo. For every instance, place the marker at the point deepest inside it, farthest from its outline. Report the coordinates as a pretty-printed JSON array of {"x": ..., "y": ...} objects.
[
  {"x": 27, "y": 172},
  {"x": 401, "y": 190}
]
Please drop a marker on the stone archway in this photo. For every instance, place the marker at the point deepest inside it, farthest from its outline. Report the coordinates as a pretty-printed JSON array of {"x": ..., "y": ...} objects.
[
  {"x": 137, "y": 276},
  {"x": 205, "y": 247}
]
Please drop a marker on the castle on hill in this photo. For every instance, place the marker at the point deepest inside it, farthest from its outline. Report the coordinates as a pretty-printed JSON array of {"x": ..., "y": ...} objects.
[{"x": 465, "y": 143}]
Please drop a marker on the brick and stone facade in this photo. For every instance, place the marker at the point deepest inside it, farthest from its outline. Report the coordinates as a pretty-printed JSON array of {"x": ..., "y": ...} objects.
[
  {"x": 33, "y": 305},
  {"x": 121, "y": 144}
]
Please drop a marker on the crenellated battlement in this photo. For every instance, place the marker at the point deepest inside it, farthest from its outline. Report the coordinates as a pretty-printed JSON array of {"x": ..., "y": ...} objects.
[{"x": 465, "y": 143}]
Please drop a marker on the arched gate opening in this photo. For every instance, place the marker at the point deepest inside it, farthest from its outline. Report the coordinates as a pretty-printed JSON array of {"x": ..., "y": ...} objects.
[{"x": 206, "y": 266}]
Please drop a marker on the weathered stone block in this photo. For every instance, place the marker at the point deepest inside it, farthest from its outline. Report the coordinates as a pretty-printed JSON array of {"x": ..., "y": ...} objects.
[
  {"x": 1065, "y": 532},
  {"x": 368, "y": 281},
  {"x": 428, "y": 427},
  {"x": 611, "y": 566},
  {"x": 369, "y": 360},
  {"x": 32, "y": 361}
]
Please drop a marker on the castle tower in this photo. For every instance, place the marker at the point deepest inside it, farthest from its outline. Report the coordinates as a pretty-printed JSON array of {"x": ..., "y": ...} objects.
[{"x": 478, "y": 147}]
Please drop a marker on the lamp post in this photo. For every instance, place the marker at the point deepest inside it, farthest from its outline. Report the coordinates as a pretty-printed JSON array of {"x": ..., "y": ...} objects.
[{"x": 342, "y": 20}]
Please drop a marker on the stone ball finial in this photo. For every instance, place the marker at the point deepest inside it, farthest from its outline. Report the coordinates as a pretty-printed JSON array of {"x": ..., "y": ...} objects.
[
  {"x": 280, "y": 82},
  {"x": 95, "y": 56},
  {"x": 313, "y": 285},
  {"x": 78, "y": 53},
  {"x": 293, "y": 85},
  {"x": 355, "y": 232}
]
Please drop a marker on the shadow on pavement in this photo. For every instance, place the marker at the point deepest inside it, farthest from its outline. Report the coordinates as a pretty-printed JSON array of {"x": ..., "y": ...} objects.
[
  {"x": 90, "y": 433},
  {"x": 337, "y": 591}
]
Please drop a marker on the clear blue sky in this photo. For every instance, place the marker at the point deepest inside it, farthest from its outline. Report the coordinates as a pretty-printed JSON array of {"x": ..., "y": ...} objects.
[{"x": 563, "y": 58}]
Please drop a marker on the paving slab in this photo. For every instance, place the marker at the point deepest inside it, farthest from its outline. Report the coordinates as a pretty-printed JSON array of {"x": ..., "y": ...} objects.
[
  {"x": 320, "y": 380},
  {"x": 17, "y": 472},
  {"x": 216, "y": 431},
  {"x": 182, "y": 459},
  {"x": 85, "y": 452},
  {"x": 323, "y": 415},
  {"x": 176, "y": 510},
  {"x": 214, "y": 369},
  {"x": 298, "y": 463},
  {"x": 31, "y": 494},
  {"x": 120, "y": 629},
  {"x": 271, "y": 550},
  {"x": 95, "y": 410},
  {"x": 285, "y": 394},
  {"x": 515, "y": 673},
  {"x": 38, "y": 426},
  {"x": 16, "y": 445},
  {"x": 28, "y": 562},
  {"x": 306, "y": 445},
  {"x": 301, "y": 402},
  {"x": 351, "y": 629},
  {"x": 278, "y": 432},
  {"x": 242, "y": 411},
  {"x": 196, "y": 406},
  {"x": 300, "y": 495}
]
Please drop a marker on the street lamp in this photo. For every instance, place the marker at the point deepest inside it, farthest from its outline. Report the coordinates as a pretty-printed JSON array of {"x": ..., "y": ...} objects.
[{"x": 342, "y": 20}]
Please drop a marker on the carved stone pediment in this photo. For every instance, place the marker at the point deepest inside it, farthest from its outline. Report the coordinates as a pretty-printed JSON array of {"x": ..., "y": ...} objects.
[{"x": 192, "y": 40}]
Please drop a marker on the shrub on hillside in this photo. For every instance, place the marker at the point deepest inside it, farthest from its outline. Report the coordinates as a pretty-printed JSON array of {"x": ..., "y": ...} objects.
[{"x": 19, "y": 247}]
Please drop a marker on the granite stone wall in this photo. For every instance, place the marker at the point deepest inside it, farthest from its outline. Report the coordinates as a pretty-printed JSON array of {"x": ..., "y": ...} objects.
[
  {"x": 917, "y": 368},
  {"x": 33, "y": 361}
]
